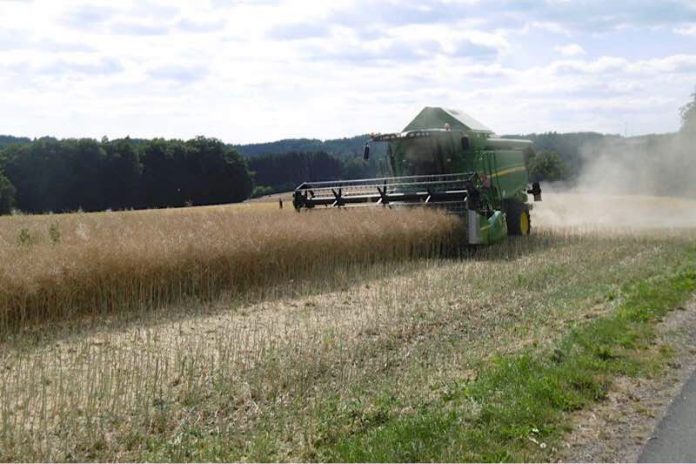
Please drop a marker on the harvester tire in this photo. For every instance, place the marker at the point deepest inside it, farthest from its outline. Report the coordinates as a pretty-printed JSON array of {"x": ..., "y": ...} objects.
[{"x": 518, "y": 220}]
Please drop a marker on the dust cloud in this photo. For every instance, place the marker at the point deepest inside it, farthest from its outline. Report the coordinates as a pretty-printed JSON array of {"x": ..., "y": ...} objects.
[
  {"x": 662, "y": 165},
  {"x": 587, "y": 210},
  {"x": 627, "y": 183}
]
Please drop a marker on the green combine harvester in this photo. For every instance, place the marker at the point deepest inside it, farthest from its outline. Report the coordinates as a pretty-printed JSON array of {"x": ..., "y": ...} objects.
[{"x": 444, "y": 159}]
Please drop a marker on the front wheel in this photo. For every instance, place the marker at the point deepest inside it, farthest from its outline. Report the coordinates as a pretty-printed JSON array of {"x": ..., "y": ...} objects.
[{"x": 518, "y": 219}]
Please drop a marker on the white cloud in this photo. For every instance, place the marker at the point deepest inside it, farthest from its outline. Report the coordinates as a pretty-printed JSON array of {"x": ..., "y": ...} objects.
[
  {"x": 688, "y": 30},
  {"x": 571, "y": 49}
]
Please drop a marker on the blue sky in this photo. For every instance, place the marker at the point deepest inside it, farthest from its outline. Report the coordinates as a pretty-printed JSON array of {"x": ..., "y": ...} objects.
[{"x": 251, "y": 71}]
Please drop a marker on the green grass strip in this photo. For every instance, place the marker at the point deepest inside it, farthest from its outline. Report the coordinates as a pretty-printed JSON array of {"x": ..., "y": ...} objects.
[{"x": 517, "y": 409}]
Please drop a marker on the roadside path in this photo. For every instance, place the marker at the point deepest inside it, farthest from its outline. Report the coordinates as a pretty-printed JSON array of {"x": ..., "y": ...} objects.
[
  {"x": 636, "y": 421},
  {"x": 674, "y": 439}
]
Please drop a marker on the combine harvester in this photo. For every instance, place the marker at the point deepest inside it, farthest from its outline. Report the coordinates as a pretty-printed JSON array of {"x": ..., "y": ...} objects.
[{"x": 444, "y": 159}]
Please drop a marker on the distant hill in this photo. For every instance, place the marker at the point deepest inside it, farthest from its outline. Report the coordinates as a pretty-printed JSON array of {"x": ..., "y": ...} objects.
[
  {"x": 349, "y": 151},
  {"x": 6, "y": 140},
  {"x": 345, "y": 147}
]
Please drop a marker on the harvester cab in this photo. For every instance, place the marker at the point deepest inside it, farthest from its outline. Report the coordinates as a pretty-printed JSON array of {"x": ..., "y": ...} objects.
[{"x": 446, "y": 159}]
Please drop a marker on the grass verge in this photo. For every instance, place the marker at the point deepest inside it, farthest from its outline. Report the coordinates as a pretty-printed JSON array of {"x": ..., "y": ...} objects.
[{"x": 517, "y": 410}]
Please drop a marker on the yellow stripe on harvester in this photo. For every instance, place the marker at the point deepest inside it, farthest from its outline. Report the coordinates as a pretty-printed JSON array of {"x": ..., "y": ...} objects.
[{"x": 505, "y": 172}]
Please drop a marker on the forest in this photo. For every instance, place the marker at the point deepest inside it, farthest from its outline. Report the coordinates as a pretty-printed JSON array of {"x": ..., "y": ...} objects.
[{"x": 50, "y": 175}]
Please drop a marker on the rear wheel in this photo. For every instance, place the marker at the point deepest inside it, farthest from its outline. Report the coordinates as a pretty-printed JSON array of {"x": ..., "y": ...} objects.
[{"x": 518, "y": 219}]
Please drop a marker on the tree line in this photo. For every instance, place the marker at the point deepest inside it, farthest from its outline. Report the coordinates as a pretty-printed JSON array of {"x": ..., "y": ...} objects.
[
  {"x": 347, "y": 147},
  {"x": 50, "y": 175},
  {"x": 47, "y": 174}
]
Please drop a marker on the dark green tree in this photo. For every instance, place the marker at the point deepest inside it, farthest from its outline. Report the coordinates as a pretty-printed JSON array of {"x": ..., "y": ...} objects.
[
  {"x": 6, "y": 140},
  {"x": 7, "y": 195},
  {"x": 84, "y": 160},
  {"x": 40, "y": 173},
  {"x": 122, "y": 175},
  {"x": 262, "y": 190},
  {"x": 164, "y": 173},
  {"x": 67, "y": 175},
  {"x": 216, "y": 173},
  {"x": 547, "y": 166}
]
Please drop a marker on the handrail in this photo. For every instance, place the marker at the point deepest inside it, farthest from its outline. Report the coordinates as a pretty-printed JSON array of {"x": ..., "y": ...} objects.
[
  {"x": 428, "y": 189},
  {"x": 358, "y": 182}
]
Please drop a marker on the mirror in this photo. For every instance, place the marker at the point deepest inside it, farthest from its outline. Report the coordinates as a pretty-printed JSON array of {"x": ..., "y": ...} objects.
[
  {"x": 536, "y": 191},
  {"x": 366, "y": 154}
]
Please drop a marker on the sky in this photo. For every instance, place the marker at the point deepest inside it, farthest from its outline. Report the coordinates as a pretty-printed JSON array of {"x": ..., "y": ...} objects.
[{"x": 255, "y": 71}]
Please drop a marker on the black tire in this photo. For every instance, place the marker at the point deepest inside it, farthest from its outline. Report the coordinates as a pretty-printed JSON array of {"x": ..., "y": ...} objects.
[{"x": 517, "y": 217}]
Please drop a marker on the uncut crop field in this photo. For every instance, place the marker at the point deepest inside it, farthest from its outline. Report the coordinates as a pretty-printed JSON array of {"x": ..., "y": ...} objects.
[
  {"x": 59, "y": 268},
  {"x": 218, "y": 334}
]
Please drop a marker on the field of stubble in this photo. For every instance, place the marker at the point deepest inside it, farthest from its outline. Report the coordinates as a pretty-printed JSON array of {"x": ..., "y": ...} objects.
[{"x": 252, "y": 334}]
